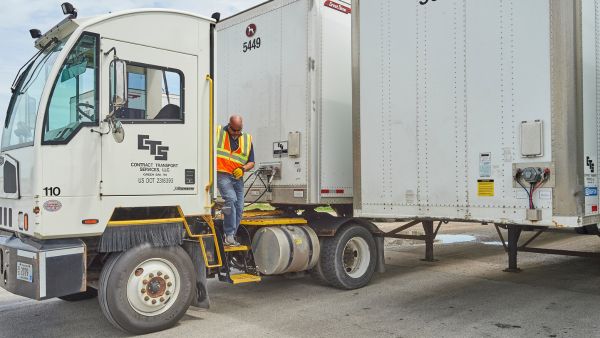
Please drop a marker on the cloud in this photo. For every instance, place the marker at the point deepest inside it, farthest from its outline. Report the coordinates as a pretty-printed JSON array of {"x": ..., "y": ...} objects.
[{"x": 17, "y": 17}]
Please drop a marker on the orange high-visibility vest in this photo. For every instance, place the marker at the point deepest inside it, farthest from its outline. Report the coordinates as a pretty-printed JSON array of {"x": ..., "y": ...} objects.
[{"x": 227, "y": 159}]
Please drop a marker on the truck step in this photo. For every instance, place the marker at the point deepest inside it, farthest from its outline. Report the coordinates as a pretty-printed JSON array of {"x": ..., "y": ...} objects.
[
  {"x": 244, "y": 278},
  {"x": 237, "y": 248}
]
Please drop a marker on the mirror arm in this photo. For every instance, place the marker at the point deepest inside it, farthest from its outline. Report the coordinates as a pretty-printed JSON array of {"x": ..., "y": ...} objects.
[{"x": 113, "y": 50}]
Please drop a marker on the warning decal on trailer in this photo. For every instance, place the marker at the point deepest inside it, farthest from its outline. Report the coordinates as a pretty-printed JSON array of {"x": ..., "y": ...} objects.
[
  {"x": 485, "y": 188},
  {"x": 338, "y": 7}
]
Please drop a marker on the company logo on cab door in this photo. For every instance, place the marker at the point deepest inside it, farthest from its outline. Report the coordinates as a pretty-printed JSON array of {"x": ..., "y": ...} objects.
[
  {"x": 338, "y": 7},
  {"x": 250, "y": 30},
  {"x": 156, "y": 148}
]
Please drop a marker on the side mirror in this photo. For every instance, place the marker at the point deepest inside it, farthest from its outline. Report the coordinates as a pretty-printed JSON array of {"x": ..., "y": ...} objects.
[
  {"x": 119, "y": 79},
  {"x": 118, "y": 132},
  {"x": 118, "y": 83}
]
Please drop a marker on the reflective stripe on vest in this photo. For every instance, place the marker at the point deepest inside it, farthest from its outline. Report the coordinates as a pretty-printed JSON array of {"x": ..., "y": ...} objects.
[{"x": 227, "y": 159}]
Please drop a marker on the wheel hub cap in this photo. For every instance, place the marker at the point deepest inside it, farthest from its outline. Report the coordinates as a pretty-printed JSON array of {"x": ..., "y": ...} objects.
[{"x": 152, "y": 285}]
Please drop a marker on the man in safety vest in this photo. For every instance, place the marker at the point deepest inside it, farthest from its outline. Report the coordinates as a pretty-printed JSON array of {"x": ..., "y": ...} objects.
[{"x": 235, "y": 155}]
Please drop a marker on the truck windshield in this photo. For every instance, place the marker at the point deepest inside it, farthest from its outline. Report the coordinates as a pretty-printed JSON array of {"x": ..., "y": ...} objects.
[{"x": 19, "y": 126}]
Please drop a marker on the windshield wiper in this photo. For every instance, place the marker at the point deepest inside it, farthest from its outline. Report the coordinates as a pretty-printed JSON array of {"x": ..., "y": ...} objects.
[
  {"x": 28, "y": 64},
  {"x": 20, "y": 77}
]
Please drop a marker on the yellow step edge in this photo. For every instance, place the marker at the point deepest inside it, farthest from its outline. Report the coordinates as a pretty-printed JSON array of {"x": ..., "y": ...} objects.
[
  {"x": 244, "y": 278},
  {"x": 237, "y": 248},
  {"x": 272, "y": 222}
]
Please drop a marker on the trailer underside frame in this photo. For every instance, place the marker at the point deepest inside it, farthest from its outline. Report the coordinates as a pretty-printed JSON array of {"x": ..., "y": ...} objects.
[{"x": 510, "y": 244}]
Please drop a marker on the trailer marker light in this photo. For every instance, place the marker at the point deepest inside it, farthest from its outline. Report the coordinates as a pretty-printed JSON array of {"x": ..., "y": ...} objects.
[
  {"x": 339, "y": 191},
  {"x": 26, "y": 222},
  {"x": 594, "y": 208},
  {"x": 325, "y": 191},
  {"x": 90, "y": 221}
]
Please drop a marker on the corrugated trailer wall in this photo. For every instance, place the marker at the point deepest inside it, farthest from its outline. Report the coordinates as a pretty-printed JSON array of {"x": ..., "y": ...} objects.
[
  {"x": 591, "y": 88},
  {"x": 441, "y": 91},
  {"x": 293, "y": 88}
]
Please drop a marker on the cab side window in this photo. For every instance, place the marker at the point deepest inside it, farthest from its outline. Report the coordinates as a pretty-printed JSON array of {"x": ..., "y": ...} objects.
[{"x": 153, "y": 94}]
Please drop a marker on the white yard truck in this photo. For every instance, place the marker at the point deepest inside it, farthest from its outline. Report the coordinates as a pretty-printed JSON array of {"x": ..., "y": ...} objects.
[
  {"x": 439, "y": 111},
  {"x": 107, "y": 160}
]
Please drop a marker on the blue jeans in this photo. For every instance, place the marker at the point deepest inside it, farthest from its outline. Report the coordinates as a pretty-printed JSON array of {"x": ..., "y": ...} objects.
[{"x": 232, "y": 191}]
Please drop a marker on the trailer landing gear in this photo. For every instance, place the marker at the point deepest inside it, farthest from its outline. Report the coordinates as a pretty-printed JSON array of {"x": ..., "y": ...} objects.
[
  {"x": 515, "y": 231},
  {"x": 429, "y": 237}
]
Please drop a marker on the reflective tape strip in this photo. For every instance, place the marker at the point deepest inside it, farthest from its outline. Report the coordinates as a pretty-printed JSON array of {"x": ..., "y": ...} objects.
[
  {"x": 42, "y": 266},
  {"x": 64, "y": 252},
  {"x": 26, "y": 254},
  {"x": 221, "y": 135},
  {"x": 231, "y": 157}
]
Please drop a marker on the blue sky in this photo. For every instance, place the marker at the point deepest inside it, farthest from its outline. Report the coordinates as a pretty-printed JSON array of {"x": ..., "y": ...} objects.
[{"x": 18, "y": 16}]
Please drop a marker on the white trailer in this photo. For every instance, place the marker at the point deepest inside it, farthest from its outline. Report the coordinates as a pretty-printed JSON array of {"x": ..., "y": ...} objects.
[
  {"x": 482, "y": 111},
  {"x": 285, "y": 67}
]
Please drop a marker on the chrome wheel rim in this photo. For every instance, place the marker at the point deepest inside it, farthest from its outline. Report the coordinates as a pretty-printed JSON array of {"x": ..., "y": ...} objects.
[
  {"x": 356, "y": 257},
  {"x": 153, "y": 287}
]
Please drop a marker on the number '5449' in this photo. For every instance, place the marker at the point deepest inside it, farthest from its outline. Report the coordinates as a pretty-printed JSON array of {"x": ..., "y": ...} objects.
[{"x": 250, "y": 45}]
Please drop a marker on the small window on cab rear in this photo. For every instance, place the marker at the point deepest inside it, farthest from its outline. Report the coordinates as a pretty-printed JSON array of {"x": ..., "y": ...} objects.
[{"x": 154, "y": 94}]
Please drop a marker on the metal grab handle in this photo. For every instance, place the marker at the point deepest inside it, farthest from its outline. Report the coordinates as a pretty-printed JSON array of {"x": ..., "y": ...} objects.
[{"x": 209, "y": 202}]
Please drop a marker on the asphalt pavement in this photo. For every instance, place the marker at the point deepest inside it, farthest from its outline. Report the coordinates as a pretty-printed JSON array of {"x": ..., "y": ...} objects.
[{"x": 463, "y": 294}]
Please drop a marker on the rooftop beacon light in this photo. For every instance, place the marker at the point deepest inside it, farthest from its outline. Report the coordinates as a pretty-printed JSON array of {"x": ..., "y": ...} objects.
[{"x": 69, "y": 9}]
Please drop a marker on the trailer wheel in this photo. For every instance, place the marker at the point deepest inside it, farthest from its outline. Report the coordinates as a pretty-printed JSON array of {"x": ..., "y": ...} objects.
[
  {"x": 147, "y": 289},
  {"x": 87, "y": 294},
  {"x": 349, "y": 259}
]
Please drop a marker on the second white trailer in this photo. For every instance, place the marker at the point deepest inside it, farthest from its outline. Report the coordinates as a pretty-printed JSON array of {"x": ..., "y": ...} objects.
[
  {"x": 285, "y": 66},
  {"x": 461, "y": 102}
]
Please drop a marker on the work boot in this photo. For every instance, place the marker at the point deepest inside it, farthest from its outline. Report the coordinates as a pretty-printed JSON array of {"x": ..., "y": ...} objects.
[{"x": 230, "y": 241}]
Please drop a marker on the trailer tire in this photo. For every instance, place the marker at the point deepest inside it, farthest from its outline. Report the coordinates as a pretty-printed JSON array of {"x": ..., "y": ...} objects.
[
  {"x": 147, "y": 289},
  {"x": 87, "y": 294},
  {"x": 348, "y": 260}
]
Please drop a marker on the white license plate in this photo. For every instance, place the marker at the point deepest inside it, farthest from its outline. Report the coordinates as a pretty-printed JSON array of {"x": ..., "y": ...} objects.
[{"x": 25, "y": 272}]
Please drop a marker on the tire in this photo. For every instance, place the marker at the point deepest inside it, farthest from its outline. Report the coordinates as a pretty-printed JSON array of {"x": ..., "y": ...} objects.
[
  {"x": 147, "y": 289},
  {"x": 317, "y": 271},
  {"x": 87, "y": 294},
  {"x": 348, "y": 260}
]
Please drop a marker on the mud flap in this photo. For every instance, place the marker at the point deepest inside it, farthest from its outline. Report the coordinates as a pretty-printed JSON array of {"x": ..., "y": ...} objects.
[
  {"x": 379, "y": 244},
  {"x": 193, "y": 250}
]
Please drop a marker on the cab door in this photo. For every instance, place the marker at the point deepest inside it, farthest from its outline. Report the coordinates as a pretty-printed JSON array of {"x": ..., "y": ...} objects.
[{"x": 159, "y": 153}]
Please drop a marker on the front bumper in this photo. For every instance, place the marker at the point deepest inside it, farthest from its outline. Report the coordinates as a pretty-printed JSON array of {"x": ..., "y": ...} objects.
[{"x": 42, "y": 269}]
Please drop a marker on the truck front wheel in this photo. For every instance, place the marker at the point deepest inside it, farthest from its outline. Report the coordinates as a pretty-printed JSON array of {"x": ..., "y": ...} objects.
[
  {"x": 348, "y": 260},
  {"x": 146, "y": 289}
]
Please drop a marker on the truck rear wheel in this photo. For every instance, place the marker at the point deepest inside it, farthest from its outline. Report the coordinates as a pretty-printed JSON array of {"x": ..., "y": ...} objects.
[
  {"x": 348, "y": 260},
  {"x": 146, "y": 289}
]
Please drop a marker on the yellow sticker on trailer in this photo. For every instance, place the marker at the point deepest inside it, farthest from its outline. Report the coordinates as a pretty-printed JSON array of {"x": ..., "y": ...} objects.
[{"x": 485, "y": 188}]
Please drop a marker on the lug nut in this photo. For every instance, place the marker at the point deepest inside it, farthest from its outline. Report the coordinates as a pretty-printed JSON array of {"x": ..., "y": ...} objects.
[
  {"x": 162, "y": 299},
  {"x": 166, "y": 277},
  {"x": 146, "y": 298},
  {"x": 151, "y": 275},
  {"x": 153, "y": 301},
  {"x": 168, "y": 293},
  {"x": 144, "y": 282},
  {"x": 159, "y": 273},
  {"x": 143, "y": 290},
  {"x": 169, "y": 284}
]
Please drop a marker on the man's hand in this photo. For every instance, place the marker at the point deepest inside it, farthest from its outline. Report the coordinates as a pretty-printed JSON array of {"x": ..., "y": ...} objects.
[{"x": 238, "y": 173}]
